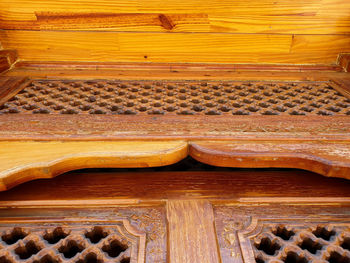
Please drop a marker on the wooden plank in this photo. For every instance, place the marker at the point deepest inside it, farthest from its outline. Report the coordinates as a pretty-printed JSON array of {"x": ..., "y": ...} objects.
[
  {"x": 326, "y": 158},
  {"x": 109, "y": 47},
  {"x": 192, "y": 237},
  {"x": 175, "y": 71},
  {"x": 24, "y": 161},
  {"x": 181, "y": 47},
  {"x": 119, "y": 186},
  {"x": 43, "y": 127},
  {"x": 302, "y": 17}
]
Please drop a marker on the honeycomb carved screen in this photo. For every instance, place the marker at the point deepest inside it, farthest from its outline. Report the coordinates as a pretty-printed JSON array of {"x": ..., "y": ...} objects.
[
  {"x": 178, "y": 98},
  {"x": 69, "y": 243},
  {"x": 121, "y": 235},
  {"x": 282, "y": 234}
]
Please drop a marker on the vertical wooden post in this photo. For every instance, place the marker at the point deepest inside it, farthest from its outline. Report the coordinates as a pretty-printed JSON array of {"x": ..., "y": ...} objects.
[{"x": 192, "y": 237}]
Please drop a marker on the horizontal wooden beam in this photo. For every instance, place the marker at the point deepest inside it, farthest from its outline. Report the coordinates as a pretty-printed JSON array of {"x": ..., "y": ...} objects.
[
  {"x": 22, "y": 161},
  {"x": 86, "y": 46},
  {"x": 287, "y": 17}
]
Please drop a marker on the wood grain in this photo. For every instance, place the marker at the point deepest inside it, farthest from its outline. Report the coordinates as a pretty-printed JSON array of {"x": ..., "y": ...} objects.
[
  {"x": 302, "y": 17},
  {"x": 181, "y": 47},
  {"x": 21, "y": 127},
  {"x": 128, "y": 187},
  {"x": 326, "y": 158},
  {"x": 191, "y": 224},
  {"x": 24, "y": 161}
]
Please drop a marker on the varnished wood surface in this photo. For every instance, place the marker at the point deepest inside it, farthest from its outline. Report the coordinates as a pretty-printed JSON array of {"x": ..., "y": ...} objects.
[
  {"x": 130, "y": 187},
  {"x": 303, "y": 32},
  {"x": 191, "y": 223},
  {"x": 24, "y": 161},
  {"x": 175, "y": 71},
  {"x": 20, "y": 127},
  {"x": 329, "y": 159},
  {"x": 287, "y": 17},
  {"x": 179, "y": 47}
]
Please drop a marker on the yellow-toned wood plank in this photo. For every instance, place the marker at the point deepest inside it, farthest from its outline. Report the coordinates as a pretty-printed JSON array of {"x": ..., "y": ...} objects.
[
  {"x": 313, "y": 46},
  {"x": 75, "y": 46},
  {"x": 150, "y": 47},
  {"x": 239, "y": 16},
  {"x": 28, "y": 160},
  {"x": 179, "y": 47}
]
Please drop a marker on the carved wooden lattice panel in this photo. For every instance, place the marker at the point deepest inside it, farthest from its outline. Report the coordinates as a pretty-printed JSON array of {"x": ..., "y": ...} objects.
[
  {"x": 303, "y": 243},
  {"x": 122, "y": 235},
  {"x": 270, "y": 233},
  {"x": 69, "y": 243},
  {"x": 182, "y": 98}
]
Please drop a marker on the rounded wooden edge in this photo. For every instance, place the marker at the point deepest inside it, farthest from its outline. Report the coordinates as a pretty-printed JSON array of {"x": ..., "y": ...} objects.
[
  {"x": 213, "y": 155},
  {"x": 68, "y": 162}
]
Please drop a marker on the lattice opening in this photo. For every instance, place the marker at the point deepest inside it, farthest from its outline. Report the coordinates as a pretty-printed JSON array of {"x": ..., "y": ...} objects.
[
  {"x": 283, "y": 233},
  {"x": 268, "y": 246},
  {"x": 71, "y": 248},
  {"x": 114, "y": 248},
  {"x": 47, "y": 259},
  {"x": 335, "y": 257},
  {"x": 346, "y": 243},
  {"x": 322, "y": 232},
  {"x": 16, "y": 234},
  {"x": 181, "y": 98},
  {"x": 125, "y": 260},
  {"x": 29, "y": 249},
  {"x": 96, "y": 234},
  {"x": 90, "y": 258},
  {"x": 293, "y": 257},
  {"x": 3, "y": 259},
  {"x": 310, "y": 245},
  {"x": 56, "y": 235}
]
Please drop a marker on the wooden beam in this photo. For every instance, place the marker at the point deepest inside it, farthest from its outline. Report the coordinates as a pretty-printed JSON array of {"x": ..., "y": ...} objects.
[{"x": 191, "y": 224}]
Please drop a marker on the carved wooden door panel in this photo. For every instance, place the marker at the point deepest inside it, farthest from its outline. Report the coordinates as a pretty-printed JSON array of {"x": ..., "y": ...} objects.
[{"x": 205, "y": 215}]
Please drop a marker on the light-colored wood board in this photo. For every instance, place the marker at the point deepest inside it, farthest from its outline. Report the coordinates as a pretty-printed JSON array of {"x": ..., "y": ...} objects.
[
  {"x": 149, "y": 47},
  {"x": 305, "y": 16},
  {"x": 191, "y": 224},
  {"x": 179, "y": 47},
  {"x": 107, "y": 46},
  {"x": 24, "y": 161}
]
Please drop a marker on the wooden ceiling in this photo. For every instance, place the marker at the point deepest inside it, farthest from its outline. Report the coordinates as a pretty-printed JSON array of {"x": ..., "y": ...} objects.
[{"x": 210, "y": 31}]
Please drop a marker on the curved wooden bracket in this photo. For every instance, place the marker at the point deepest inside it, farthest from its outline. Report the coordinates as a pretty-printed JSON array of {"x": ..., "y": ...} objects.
[
  {"x": 28, "y": 160},
  {"x": 22, "y": 161},
  {"x": 326, "y": 158}
]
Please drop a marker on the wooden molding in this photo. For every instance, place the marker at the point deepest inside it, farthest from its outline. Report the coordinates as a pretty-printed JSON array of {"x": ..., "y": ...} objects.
[
  {"x": 25, "y": 161},
  {"x": 22, "y": 161},
  {"x": 326, "y": 158}
]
